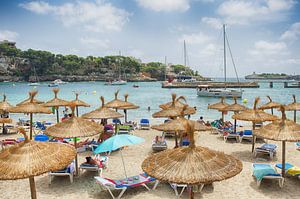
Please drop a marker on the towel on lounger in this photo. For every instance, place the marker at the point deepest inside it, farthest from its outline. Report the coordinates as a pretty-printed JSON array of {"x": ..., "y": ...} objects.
[{"x": 261, "y": 170}]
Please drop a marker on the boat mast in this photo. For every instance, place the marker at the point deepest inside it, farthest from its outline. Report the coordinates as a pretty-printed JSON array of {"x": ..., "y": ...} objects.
[
  {"x": 224, "y": 40},
  {"x": 184, "y": 52},
  {"x": 165, "y": 68}
]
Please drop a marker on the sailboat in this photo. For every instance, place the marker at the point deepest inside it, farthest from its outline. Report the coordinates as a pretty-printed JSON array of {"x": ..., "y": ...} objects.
[
  {"x": 118, "y": 81},
  {"x": 36, "y": 83},
  {"x": 207, "y": 91}
]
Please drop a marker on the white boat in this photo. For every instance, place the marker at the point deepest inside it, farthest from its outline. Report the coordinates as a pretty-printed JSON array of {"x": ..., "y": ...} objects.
[
  {"x": 116, "y": 82},
  {"x": 53, "y": 85},
  {"x": 207, "y": 91},
  {"x": 59, "y": 81},
  {"x": 34, "y": 84},
  {"x": 36, "y": 79}
]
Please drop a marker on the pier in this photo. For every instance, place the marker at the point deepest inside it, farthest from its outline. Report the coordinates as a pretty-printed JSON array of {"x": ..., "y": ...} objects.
[{"x": 210, "y": 84}]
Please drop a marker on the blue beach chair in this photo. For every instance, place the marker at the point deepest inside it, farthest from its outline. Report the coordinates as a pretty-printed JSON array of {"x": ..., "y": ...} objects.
[
  {"x": 266, "y": 171},
  {"x": 144, "y": 124}
]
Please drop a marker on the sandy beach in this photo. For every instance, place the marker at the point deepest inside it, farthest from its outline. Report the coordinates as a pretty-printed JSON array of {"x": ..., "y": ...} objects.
[{"x": 240, "y": 186}]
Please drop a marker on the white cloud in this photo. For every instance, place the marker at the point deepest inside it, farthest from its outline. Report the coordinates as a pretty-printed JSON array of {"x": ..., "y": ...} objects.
[
  {"x": 244, "y": 12},
  {"x": 195, "y": 38},
  {"x": 94, "y": 43},
  {"x": 98, "y": 16},
  {"x": 265, "y": 48},
  {"x": 165, "y": 5},
  {"x": 213, "y": 22},
  {"x": 8, "y": 35},
  {"x": 293, "y": 33}
]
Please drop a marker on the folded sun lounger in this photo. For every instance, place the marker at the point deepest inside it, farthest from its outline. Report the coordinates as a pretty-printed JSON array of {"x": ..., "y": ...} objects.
[
  {"x": 266, "y": 171},
  {"x": 269, "y": 149},
  {"x": 134, "y": 181}
]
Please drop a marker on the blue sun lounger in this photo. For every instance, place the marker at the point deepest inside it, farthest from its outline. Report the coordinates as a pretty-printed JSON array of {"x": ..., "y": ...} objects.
[{"x": 266, "y": 171}]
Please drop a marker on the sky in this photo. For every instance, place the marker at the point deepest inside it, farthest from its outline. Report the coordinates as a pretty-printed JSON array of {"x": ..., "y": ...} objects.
[{"x": 263, "y": 35}]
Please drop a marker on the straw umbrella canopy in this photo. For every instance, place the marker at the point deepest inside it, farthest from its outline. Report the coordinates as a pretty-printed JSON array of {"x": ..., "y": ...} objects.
[
  {"x": 117, "y": 104},
  {"x": 191, "y": 165},
  {"x": 281, "y": 130},
  {"x": 78, "y": 103},
  {"x": 102, "y": 113},
  {"x": 4, "y": 108},
  {"x": 294, "y": 106},
  {"x": 5, "y": 120},
  {"x": 254, "y": 115},
  {"x": 173, "y": 111},
  {"x": 31, "y": 108},
  {"x": 29, "y": 99},
  {"x": 56, "y": 103},
  {"x": 219, "y": 106},
  {"x": 270, "y": 105},
  {"x": 132, "y": 106},
  {"x": 31, "y": 158},
  {"x": 4, "y": 105},
  {"x": 177, "y": 103},
  {"x": 74, "y": 127},
  {"x": 235, "y": 107}
]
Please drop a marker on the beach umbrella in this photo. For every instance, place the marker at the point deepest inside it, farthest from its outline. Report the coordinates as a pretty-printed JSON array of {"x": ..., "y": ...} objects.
[
  {"x": 116, "y": 142},
  {"x": 219, "y": 106},
  {"x": 177, "y": 102},
  {"x": 31, "y": 108},
  {"x": 116, "y": 103},
  {"x": 294, "y": 106},
  {"x": 28, "y": 100},
  {"x": 255, "y": 116},
  {"x": 30, "y": 158},
  {"x": 78, "y": 103},
  {"x": 191, "y": 165},
  {"x": 270, "y": 105},
  {"x": 173, "y": 111},
  {"x": 281, "y": 130},
  {"x": 132, "y": 106},
  {"x": 235, "y": 107},
  {"x": 102, "y": 113},
  {"x": 4, "y": 121},
  {"x": 56, "y": 103},
  {"x": 74, "y": 127},
  {"x": 4, "y": 108}
]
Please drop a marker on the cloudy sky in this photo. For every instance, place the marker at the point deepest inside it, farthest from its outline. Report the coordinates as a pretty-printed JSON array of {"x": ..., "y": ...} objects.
[{"x": 264, "y": 35}]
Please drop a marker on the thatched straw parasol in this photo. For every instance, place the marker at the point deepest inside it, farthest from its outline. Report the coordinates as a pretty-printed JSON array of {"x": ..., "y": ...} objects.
[
  {"x": 4, "y": 105},
  {"x": 281, "y": 130},
  {"x": 270, "y": 105},
  {"x": 30, "y": 158},
  {"x": 56, "y": 103},
  {"x": 191, "y": 165},
  {"x": 294, "y": 106},
  {"x": 254, "y": 115},
  {"x": 116, "y": 103},
  {"x": 4, "y": 108},
  {"x": 173, "y": 111},
  {"x": 132, "y": 106},
  {"x": 235, "y": 107},
  {"x": 31, "y": 108},
  {"x": 74, "y": 127},
  {"x": 78, "y": 103},
  {"x": 177, "y": 103},
  {"x": 102, "y": 113},
  {"x": 5, "y": 120},
  {"x": 29, "y": 99},
  {"x": 219, "y": 106}
]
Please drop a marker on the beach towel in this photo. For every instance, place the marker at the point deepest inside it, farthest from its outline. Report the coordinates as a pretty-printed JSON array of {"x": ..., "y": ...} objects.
[
  {"x": 261, "y": 170},
  {"x": 294, "y": 171},
  {"x": 268, "y": 147}
]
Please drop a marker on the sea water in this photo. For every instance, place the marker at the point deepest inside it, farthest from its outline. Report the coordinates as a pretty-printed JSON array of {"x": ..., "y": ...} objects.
[{"x": 149, "y": 94}]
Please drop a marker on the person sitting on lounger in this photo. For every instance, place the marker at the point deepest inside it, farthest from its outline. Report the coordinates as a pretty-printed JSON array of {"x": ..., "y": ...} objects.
[{"x": 91, "y": 161}]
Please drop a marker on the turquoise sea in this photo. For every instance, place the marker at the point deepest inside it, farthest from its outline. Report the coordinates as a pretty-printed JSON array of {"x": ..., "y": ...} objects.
[{"x": 148, "y": 94}]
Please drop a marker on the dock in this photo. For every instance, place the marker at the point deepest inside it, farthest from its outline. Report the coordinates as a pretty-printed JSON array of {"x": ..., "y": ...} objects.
[{"x": 210, "y": 84}]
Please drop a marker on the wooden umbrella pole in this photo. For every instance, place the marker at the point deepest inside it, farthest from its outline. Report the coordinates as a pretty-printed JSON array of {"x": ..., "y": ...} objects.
[
  {"x": 125, "y": 111},
  {"x": 192, "y": 192},
  {"x": 31, "y": 121},
  {"x": 272, "y": 111},
  {"x": 57, "y": 115},
  {"x": 234, "y": 126},
  {"x": 176, "y": 140},
  {"x": 3, "y": 128},
  {"x": 254, "y": 137},
  {"x": 76, "y": 158},
  {"x": 283, "y": 159},
  {"x": 295, "y": 116},
  {"x": 77, "y": 111},
  {"x": 32, "y": 187},
  {"x": 222, "y": 116}
]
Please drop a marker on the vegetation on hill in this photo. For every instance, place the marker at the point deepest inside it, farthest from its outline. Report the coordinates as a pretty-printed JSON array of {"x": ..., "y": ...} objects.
[{"x": 47, "y": 63}]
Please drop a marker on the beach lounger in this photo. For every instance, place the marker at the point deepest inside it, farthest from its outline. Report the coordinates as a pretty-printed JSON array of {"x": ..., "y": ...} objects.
[
  {"x": 290, "y": 169},
  {"x": 144, "y": 124},
  {"x": 68, "y": 171},
  {"x": 266, "y": 171},
  {"x": 298, "y": 146},
  {"x": 159, "y": 143},
  {"x": 116, "y": 121},
  {"x": 269, "y": 149},
  {"x": 97, "y": 168},
  {"x": 247, "y": 135},
  {"x": 123, "y": 129},
  {"x": 230, "y": 134},
  {"x": 124, "y": 184}
]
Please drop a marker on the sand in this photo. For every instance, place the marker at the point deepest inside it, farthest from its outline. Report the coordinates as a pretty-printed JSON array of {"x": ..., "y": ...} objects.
[{"x": 240, "y": 186}]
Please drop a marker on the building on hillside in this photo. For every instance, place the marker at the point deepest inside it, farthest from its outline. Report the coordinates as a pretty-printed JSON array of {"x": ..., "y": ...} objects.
[{"x": 9, "y": 43}]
